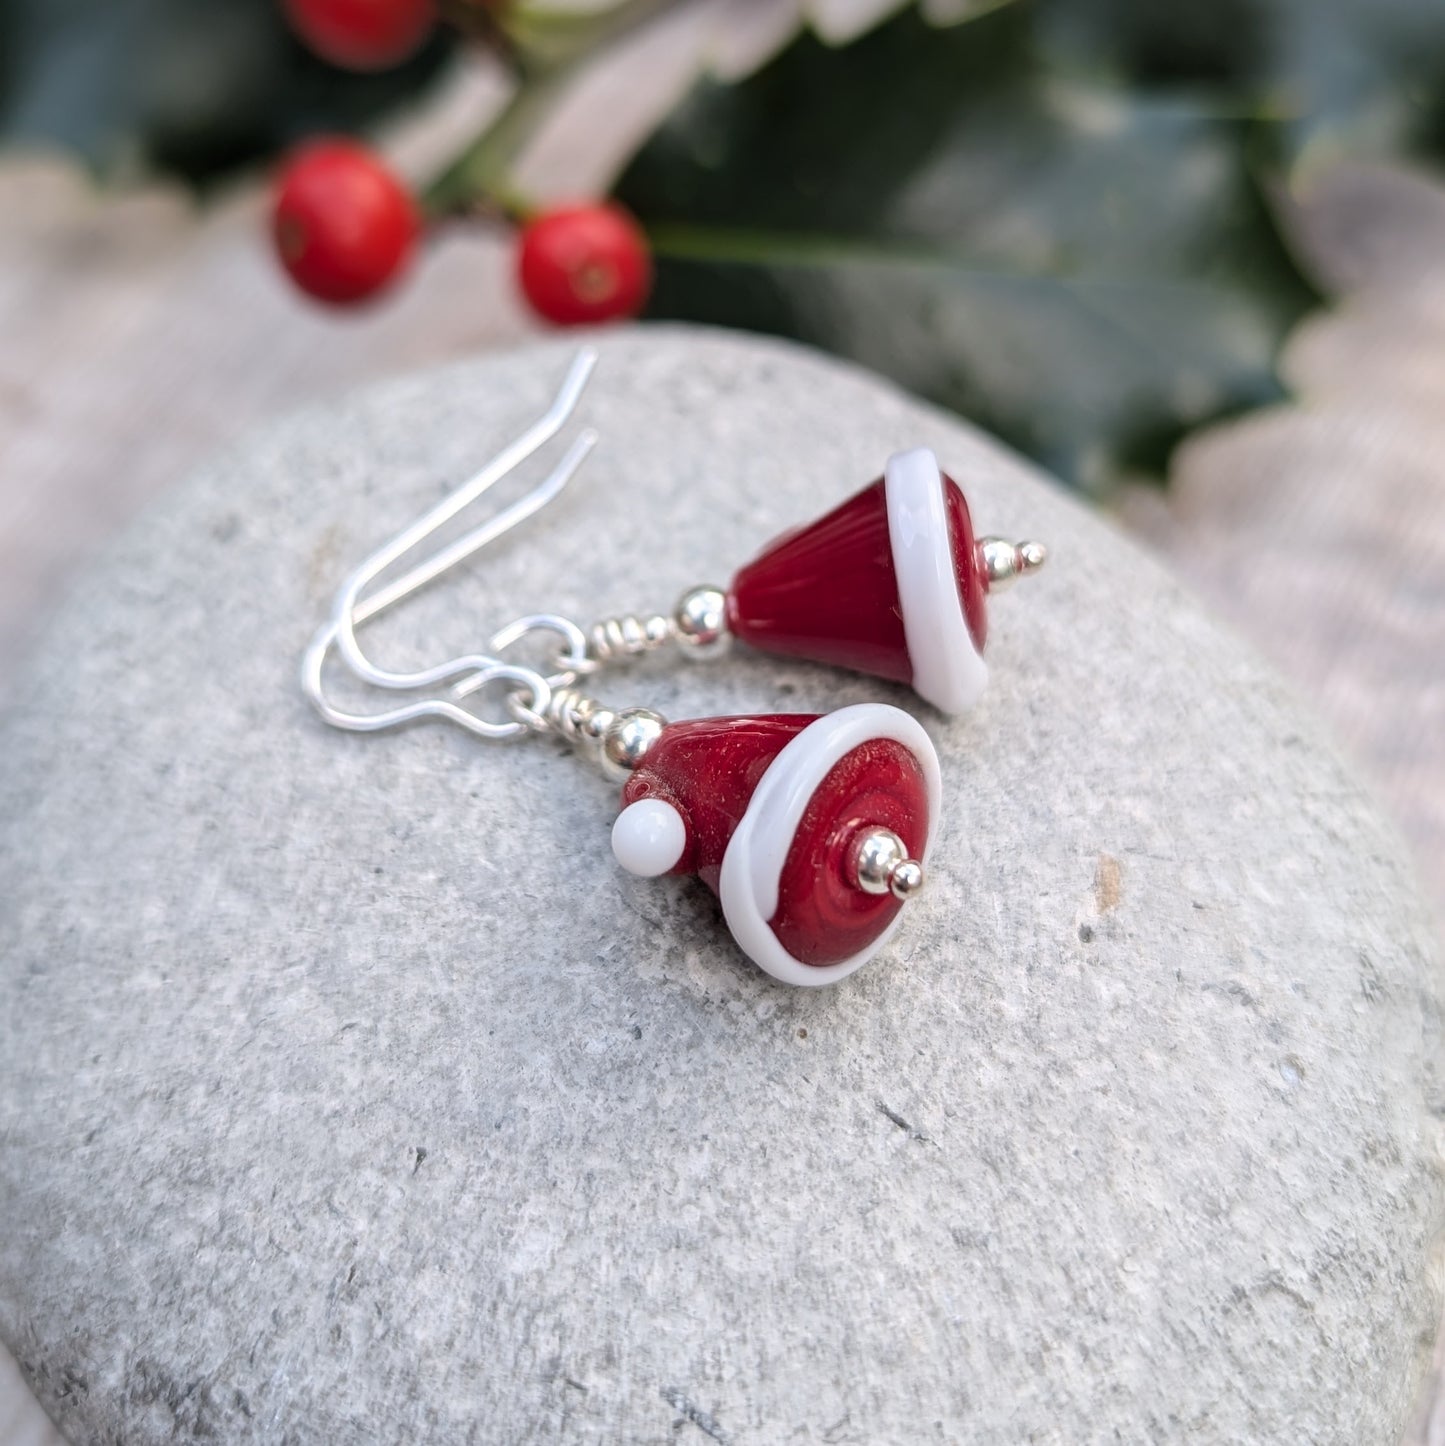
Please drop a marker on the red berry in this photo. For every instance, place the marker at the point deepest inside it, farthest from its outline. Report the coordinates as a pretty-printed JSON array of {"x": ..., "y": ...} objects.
[
  {"x": 583, "y": 264},
  {"x": 344, "y": 226},
  {"x": 362, "y": 34}
]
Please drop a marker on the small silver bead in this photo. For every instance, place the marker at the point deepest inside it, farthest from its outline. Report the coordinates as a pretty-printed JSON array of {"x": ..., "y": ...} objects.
[
  {"x": 906, "y": 879},
  {"x": 700, "y": 621},
  {"x": 595, "y": 724},
  {"x": 884, "y": 867},
  {"x": 1005, "y": 562},
  {"x": 1032, "y": 556},
  {"x": 627, "y": 738}
]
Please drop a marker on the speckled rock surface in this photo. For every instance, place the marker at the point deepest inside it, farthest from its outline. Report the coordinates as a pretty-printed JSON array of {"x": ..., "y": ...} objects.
[{"x": 349, "y": 1093}]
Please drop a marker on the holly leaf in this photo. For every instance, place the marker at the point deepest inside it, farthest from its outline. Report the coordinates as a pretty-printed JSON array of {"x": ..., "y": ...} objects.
[
  {"x": 1086, "y": 270},
  {"x": 1363, "y": 76}
]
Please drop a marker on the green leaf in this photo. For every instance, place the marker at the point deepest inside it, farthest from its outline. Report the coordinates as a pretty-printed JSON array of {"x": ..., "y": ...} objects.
[
  {"x": 1086, "y": 270},
  {"x": 1358, "y": 75}
]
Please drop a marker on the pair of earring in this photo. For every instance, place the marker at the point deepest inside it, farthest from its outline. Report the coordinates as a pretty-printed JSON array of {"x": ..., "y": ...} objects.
[{"x": 812, "y": 830}]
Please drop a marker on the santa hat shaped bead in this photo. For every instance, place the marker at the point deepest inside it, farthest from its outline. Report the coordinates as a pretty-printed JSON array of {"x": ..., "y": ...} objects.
[
  {"x": 891, "y": 583},
  {"x": 811, "y": 830}
]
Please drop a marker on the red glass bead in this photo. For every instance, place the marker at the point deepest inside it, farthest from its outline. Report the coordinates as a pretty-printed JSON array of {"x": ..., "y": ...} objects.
[
  {"x": 709, "y": 770},
  {"x": 968, "y": 568},
  {"x": 829, "y": 591},
  {"x": 823, "y": 916}
]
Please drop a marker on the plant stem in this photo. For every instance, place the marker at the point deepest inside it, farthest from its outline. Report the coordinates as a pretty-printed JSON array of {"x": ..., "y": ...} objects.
[
  {"x": 482, "y": 171},
  {"x": 554, "y": 47},
  {"x": 551, "y": 37}
]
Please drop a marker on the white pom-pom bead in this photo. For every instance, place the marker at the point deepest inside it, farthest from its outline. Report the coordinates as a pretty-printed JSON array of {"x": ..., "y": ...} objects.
[{"x": 649, "y": 837}]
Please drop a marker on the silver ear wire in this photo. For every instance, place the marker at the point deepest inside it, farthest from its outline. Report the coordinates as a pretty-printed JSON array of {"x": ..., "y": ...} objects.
[
  {"x": 529, "y": 692},
  {"x": 535, "y": 702},
  {"x": 350, "y": 609},
  {"x": 526, "y": 683}
]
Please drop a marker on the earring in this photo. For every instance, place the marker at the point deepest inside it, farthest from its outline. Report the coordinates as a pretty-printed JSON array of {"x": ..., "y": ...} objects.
[
  {"x": 891, "y": 583},
  {"x": 811, "y": 830}
]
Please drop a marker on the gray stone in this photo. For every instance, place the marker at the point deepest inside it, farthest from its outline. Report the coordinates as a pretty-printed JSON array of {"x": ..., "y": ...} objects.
[{"x": 348, "y": 1092}]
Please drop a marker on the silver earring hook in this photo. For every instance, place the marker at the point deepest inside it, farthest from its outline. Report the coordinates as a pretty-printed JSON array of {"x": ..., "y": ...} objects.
[
  {"x": 526, "y": 684},
  {"x": 351, "y": 609},
  {"x": 529, "y": 692}
]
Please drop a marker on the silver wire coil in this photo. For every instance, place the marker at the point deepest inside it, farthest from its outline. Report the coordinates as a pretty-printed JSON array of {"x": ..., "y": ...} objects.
[{"x": 628, "y": 636}]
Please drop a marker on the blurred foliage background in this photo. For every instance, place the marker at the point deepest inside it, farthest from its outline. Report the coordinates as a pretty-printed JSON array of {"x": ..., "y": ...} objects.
[
  {"x": 1067, "y": 219},
  {"x": 198, "y": 90}
]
